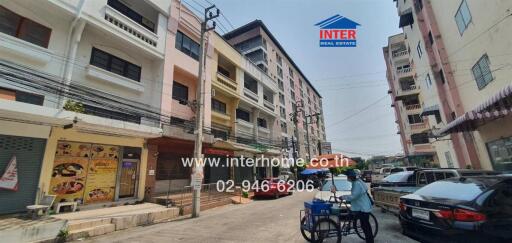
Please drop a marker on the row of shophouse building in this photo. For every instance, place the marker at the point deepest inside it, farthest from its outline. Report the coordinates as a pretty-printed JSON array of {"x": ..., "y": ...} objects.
[
  {"x": 449, "y": 77},
  {"x": 97, "y": 100}
]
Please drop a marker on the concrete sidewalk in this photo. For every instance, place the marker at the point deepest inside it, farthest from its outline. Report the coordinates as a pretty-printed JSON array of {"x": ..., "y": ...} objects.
[
  {"x": 106, "y": 220},
  {"x": 19, "y": 228}
]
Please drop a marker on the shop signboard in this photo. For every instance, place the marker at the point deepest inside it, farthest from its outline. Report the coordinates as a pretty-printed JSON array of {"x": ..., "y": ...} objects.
[
  {"x": 84, "y": 173},
  {"x": 70, "y": 171},
  {"x": 101, "y": 179}
]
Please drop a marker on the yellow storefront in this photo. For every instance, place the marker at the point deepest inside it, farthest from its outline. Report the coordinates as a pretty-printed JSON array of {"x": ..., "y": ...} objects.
[{"x": 93, "y": 169}]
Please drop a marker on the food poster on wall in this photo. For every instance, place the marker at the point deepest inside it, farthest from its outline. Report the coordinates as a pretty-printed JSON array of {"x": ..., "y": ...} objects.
[
  {"x": 101, "y": 179},
  {"x": 70, "y": 171}
]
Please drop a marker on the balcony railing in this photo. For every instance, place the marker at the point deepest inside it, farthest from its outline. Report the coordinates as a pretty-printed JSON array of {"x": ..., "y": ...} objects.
[
  {"x": 250, "y": 94},
  {"x": 418, "y": 126},
  {"x": 129, "y": 26},
  {"x": 226, "y": 81},
  {"x": 409, "y": 88},
  {"x": 269, "y": 105},
  {"x": 413, "y": 107},
  {"x": 404, "y": 71},
  {"x": 400, "y": 53}
]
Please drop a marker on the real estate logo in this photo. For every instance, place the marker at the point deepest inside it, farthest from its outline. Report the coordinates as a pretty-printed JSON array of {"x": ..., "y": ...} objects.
[{"x": 338, "y": 31}]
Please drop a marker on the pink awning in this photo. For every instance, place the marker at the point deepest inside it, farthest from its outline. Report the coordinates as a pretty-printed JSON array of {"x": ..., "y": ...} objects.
[{"x": 493, "y": 108}]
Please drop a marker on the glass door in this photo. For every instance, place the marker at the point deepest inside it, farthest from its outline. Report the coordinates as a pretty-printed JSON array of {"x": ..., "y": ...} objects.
[{"x": 128, "y": 178}]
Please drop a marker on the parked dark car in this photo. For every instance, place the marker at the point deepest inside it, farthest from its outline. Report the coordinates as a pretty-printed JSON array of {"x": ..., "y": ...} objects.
[
  {"x": 366, "y": 175},
  {"x": 405, "y": 178},
  {"x": 465, "y": 209}
]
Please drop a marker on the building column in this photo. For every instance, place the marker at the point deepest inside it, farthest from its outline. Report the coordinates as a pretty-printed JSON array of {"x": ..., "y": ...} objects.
[
  {"x": 255, "y": 115},
  {"x": 149, "y": 188}
]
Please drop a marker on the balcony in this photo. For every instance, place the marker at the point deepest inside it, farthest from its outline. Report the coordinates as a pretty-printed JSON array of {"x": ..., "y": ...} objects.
[
  {"x": 251, "y": 45},
  {"x": 404, "y": 72},
  {"x": 258, "y": 57},
  {"x": 250, "y": 94},
  {"x": 130, "y": 27},
  {"x": 268, "y": 105},
  {"x": 406, "y": 90},
  {"x": 423, "y": 148},
  {"x": 400, "y": 55},
  {"x": 412, "y": 107},
  {"x": 418, "y": 127},
  {"x": 226, "y": 81}
]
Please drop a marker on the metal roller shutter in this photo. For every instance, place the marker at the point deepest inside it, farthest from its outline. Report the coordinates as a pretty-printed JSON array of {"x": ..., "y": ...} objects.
[{"x": 29, "y": 155}]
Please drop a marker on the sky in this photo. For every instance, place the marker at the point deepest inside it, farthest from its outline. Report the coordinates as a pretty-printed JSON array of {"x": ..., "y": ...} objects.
[{"x": 348, "y": 79}]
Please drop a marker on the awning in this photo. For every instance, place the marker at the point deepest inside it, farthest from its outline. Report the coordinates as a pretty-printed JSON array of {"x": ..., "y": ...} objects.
[
  {"x": 430, "y": 110},
  {"x": 499, "y": 105},
  {"x": 406, "y": 19},
  {"x": 313, "y": 171}
]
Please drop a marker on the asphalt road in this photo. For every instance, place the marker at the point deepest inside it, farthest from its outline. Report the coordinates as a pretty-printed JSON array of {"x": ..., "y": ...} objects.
[{"x": 258, "y": 221}]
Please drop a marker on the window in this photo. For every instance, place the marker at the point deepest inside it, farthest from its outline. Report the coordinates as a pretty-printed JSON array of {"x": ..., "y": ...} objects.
[
  {"x": 243, "y": 115},
  {"x": 500, "y": 152},
  {"x": 418, "y": 48},
  {"x": 107, "y": 113},
  {"x": 20, "y": 27},
  {"x": 262, "y": 67},
  {"x": 284, "y": 128},
  {"x": 428, "y": 80},
  {"x": 463, "y": 17},
  {"x": 291, "y": 71},
  {"x": 482, "y": 72},
  {"x": 292, "y": 84},
  {"x": 217, "y": 133},
  {"x": 186, "y": 45},
  {"x": 430, "y": 38},
  {"x": 115, "y": 64},
  {"x": 282, "y": 111},
  {"x": 130, "y": 13},
  {"x": 419, "y": 138},
  {"x": 279, "y": 59},
  {"x": 448, "y": 157},
  {"x": 414, "y": 119},
  {"x": 223, "y": 71},
  {"x": 262, "y": 122},
  {"x": 280, "y": 72},
  {"x": 218, "y": 106},
  {"x": 281, "y": 84},
  {"x": 21, "y": 96},
  {"x": 441, "y": 76},
  {"x": 179, "y": 92},
  {"x": 281, "y": 98},
  {"x": 250, "y": 83}
]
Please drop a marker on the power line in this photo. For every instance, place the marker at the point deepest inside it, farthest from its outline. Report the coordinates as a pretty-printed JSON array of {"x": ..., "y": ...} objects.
[{"x": 358, "y": 112}]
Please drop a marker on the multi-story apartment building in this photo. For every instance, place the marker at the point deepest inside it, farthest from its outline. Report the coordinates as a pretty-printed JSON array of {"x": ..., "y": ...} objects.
[
  {"x": 80, "y": 82},
  {"x": 296, "y": 95},
  {"x": 462, "y": 47},
  {"x": 407, "y": 101}
]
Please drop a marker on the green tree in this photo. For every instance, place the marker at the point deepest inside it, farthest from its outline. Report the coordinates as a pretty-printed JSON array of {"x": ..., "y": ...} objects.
[{"x": 74, "y": 106}]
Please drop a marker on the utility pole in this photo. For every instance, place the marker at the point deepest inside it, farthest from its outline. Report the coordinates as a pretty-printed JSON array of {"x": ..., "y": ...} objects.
[
  {"x": 306, "y": 122},
  {"x": 198, "y": 147}
]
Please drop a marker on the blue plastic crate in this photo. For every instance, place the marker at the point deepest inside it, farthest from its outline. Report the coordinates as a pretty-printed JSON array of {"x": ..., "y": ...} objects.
[{"x": 318, "y": 207}]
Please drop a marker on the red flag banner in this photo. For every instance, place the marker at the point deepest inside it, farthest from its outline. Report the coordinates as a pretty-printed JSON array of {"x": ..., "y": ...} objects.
[{"x": 9, "y": 179}]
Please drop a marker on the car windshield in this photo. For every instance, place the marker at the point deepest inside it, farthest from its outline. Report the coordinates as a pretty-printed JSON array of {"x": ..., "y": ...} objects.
[
  {"x": 466, "y": 191},
  {"x": 341, "y": 185},
  {"x": 398, "y": 177}
]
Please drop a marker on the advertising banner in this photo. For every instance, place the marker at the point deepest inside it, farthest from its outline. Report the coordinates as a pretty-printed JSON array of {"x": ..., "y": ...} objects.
[
  {"x": 70, "y": 171},
  {"x": 101, "y": 179}
]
